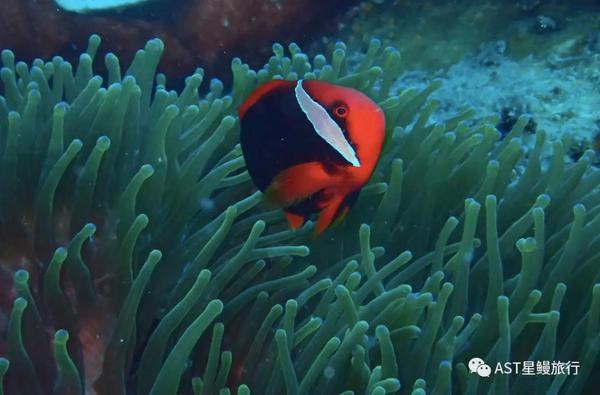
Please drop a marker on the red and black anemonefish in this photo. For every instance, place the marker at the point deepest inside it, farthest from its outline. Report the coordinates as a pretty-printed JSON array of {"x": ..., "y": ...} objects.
[{"x": 310, "y": 146}]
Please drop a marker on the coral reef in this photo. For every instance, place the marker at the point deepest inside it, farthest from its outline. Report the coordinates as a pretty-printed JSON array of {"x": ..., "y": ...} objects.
[
  {"x": 437, "y": 34},
  {"x": 517, "y": 62},
  {"x": 559, "y": 94},
  {"x": 132, "y": 241}
]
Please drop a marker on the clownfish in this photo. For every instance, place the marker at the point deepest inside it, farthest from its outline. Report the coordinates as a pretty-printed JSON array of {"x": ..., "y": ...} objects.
[{"x": 310, "y": 146}]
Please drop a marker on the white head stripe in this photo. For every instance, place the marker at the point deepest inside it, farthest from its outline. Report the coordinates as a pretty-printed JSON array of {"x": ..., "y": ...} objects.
[{"x": 325, "y": 127}]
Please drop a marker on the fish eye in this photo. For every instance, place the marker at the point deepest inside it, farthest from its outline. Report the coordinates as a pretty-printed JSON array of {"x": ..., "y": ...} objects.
[{"x": 340, "y": 111}]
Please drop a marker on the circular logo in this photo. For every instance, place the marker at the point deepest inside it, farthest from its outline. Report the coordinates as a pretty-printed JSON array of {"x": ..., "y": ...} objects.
[{"x": 477, "y": 365}]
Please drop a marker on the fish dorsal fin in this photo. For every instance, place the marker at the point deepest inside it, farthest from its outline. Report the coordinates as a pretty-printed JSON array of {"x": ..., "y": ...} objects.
[{"x": 324, "y": 125}]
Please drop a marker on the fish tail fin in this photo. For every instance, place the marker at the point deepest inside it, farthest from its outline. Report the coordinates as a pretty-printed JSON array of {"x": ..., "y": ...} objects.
[
  {"x": 297, "y": 183},
  {"x": 295, "y": 221}
]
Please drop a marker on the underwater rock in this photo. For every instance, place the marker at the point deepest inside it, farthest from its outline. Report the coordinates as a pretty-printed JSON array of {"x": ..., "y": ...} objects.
[
  {"x": 198, "y": 32},
  {"x": 508, "y": 118},
  {"x": 528, "y": 5},
  {"x": 592, "y": 44},
  {"x": 579, "y": 147},
  {"x": 596, "y": 148},
  {"x": 246, "y": 28},
  {"x": 544, "y": 24},
  {"x": 41, "y": 30},
  {"x": 492, "y": 54}
]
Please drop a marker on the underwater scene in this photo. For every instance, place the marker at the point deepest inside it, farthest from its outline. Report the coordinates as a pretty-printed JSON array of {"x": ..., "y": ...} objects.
[{"x": 299, "y": 197}]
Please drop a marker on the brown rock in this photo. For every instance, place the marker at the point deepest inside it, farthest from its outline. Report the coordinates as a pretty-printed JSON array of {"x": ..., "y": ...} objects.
[{"x": 206, "y": 33}]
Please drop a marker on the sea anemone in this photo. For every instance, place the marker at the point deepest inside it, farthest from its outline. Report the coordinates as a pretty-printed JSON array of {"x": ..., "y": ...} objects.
[{"x": 135, "y": 256}]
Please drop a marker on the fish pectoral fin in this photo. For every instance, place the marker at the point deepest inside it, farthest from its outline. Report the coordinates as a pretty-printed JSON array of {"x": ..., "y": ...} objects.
[
  {"x": 295, "y": 221},
  {"x": 296, "y": 184}
]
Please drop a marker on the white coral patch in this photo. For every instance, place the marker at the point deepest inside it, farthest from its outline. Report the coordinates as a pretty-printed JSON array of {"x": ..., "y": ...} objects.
[{"x": 85, "y": 6}]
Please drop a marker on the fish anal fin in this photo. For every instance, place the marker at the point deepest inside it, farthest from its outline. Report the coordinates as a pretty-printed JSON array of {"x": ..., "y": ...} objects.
[
  {"x": 336, "y": 211},
  {"x": 328, "y": 214},
  {"x": 295, "y": 221},
  {"x": 341, "y": 215},
  {"x": 297, "y": 183},
  {"x": 344, "y": 208}
]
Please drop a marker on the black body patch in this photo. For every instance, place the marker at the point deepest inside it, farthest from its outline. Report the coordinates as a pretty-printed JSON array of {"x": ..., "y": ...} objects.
[{"x": 276, "y": 135}]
